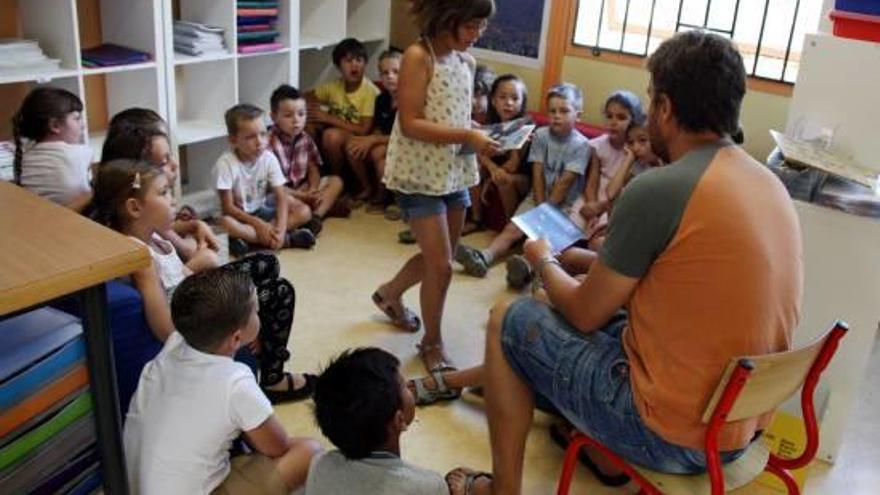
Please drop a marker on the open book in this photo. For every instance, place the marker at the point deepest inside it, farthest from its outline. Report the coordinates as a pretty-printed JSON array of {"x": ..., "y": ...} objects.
[
  {"x": 546, "y": 221},
  {"x": 511, "y": 135}
]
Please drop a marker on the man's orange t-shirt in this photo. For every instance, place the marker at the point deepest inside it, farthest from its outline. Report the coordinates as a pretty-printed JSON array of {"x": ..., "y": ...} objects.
[{"x": 715, "y": 241}]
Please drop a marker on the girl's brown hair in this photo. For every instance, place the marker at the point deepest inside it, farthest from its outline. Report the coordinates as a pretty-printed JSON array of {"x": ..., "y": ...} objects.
[
  {"x": 437, "y": 16},
  {"x": 115, "y": 182}
]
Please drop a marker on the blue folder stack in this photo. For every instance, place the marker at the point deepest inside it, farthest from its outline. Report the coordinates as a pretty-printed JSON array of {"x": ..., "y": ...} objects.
[{"x": 47, "y": 445}]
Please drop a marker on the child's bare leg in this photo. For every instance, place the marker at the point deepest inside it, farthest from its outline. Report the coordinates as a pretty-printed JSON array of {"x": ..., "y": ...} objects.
[
  {"x": 502, "y": 243},
  {"x": 298, "y": 213},
  {"x": 360, "y": 168},
  {"x": 334, "y": 141},
  {"x": 293, "y": 466},
  {"x": 378, "y": 156},
  {"x": 437, "y": 237},
  {"x": 476, "y": 193},
  {"x": 511, "y": 195},
  {"x": 203, "y": 259},
  {"x": 330, "y": 191},
  {"x": 238, "y": 230},
  {"x": 576, "y": 261}
]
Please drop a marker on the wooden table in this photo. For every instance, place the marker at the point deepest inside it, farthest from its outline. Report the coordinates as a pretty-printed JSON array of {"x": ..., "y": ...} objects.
[{"x": 48, "y": 251}]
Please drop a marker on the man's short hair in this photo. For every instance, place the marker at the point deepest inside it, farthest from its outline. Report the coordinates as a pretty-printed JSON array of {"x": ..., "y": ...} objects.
[
  {"x": 242, "y": 111},
  {"x": 281, "y": 93},
  {"x": 704, "y": 78},
  {"x": 568, "y": 92},
  {"x": 209, "y": 306},
  {"x": 356, "y": 398},
  {"x": 349, "y": 47}
]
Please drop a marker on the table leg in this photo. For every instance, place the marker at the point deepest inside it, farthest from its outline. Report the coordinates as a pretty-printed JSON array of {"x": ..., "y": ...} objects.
[{"x": 102, "y": 377}]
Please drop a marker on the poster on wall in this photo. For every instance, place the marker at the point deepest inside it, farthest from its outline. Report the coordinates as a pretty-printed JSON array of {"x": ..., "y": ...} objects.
[{"x": 516, "y": 33}]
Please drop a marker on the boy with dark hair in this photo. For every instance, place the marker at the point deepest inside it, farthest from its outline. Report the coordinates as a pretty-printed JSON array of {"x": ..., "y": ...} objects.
[
  {"x": 343, "y": 108},
  {"x": 299, "y": 157},
  {"x": 193, "y": 400},
  {"x": 256, "y": 210},
  {"x": 362, "y": 405}
]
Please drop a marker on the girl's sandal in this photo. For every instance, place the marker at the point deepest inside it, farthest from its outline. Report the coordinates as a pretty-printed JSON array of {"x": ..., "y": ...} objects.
[
  {"x": 401, "y": 316},
  {"x": 438, "y": 365},
  {"x": 440, "y": 391}
]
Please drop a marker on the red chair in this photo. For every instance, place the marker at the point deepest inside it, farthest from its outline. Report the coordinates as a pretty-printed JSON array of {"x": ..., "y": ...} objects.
[{"x": 749, "y": 387}]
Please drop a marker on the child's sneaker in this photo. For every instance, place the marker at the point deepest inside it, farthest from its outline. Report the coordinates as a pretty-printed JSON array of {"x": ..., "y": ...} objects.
[
  {"x": 238, "y": 247},
  {"x": 519, "y": 272},
  {"x": 315, "y": 226},
  {"x": 300, "y": 238},
  {"x": 472, "y": 260}
]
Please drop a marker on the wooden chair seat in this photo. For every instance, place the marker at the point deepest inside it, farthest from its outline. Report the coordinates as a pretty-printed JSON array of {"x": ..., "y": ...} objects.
[{"x": 737, "y": 474}]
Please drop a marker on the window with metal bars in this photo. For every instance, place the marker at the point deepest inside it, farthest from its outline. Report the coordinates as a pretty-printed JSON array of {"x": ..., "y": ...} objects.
[{"x": 769, "y": 33}]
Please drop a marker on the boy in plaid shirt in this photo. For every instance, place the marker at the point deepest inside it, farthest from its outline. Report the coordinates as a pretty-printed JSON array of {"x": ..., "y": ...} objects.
[{"x": 299, "y": 157}]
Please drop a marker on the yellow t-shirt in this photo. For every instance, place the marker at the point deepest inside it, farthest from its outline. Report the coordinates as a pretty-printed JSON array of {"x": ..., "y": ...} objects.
[{"x": 348, "y": 106}]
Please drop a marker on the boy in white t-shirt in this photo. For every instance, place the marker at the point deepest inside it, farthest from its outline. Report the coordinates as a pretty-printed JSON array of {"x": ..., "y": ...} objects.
[
  {"x": 256, "y": 208},
  {"x": 193, "y": 400}
]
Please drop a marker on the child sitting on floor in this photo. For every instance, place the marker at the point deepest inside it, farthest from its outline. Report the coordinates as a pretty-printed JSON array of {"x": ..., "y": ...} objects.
[
  {"x": 141, "y": 134},
  {"x": 299, "y": 157},
  {"x": 362, "y": 405},
  {"x": 363, "y": 150},
  {"x": 622, "y": 109},
  {"x": 54, "y": 163},
  {"x": 559, "y": 155},
  {"x": 484, "y": 77},
  {"x": 256, "y": 208},
  {"x": 343, "y": 108},
  {"x": 504, "y": 178},
  {"x": 193, "y": 400},
  {"x": 133, "y": 198}
]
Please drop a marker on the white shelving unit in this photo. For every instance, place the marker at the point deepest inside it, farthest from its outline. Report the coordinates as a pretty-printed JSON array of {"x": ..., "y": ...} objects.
[
  {"x": 64, "y": 27},
  {"x": 191, "y": 93}
]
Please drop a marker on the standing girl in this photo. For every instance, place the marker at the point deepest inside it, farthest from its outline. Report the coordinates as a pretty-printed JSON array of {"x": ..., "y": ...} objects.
[
  {"x": 54, "y": 163},
  {"x": 508, "y": 181},
  {"x": 622, "y": 109},
  {"x": 133, "y": 197},
  {"x": 425, "y": 162}
]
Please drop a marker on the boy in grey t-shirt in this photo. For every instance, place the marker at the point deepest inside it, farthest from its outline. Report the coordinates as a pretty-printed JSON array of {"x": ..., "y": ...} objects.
[
  {"x": 559, "y": 156},
  {"x": 362, "y": 405}
]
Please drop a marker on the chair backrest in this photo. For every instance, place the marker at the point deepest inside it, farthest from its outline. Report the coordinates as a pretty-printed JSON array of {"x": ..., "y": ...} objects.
[{"x": 773, "y": 379}]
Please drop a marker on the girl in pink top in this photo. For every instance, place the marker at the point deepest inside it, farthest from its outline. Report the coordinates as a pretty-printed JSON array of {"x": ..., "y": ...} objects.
[{"x": 622, "y": 109}]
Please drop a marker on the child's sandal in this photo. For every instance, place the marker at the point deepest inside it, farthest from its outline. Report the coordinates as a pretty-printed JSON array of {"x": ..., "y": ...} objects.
[
  {"x": 443, "y": 364},
  {"x": 401, "y": 316},
  {"x": 441, "y": 391}
]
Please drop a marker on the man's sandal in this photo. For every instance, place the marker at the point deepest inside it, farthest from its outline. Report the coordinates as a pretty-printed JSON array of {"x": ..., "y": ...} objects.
[
  {"x": 401, "y": 316},
  {"x": 561, "y": 436},
  {"x": 425, "y": 396},
  {"x": 470, "y": 479}
]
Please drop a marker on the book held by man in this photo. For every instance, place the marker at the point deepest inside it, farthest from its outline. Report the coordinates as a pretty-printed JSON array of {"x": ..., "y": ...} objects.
[{"x": 546, "y": 221}]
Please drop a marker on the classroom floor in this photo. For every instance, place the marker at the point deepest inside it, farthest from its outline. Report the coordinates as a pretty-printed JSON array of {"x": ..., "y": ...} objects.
[{"x": 334, "y": 312}]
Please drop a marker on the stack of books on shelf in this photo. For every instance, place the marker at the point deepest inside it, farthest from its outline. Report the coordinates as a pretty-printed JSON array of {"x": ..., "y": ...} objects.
[
  {"x": 19, "y": 56},
  {"x": 196, "y": 39},
  {"x": 7, "y": 158},
  {"x": 256, "y": 26},
  {"x": 47, "y": 428},
  {"x": 110, "y": 55}
]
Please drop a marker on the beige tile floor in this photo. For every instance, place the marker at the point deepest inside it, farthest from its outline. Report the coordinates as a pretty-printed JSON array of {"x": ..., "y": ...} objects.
[{"x": 334, "y": 312}]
